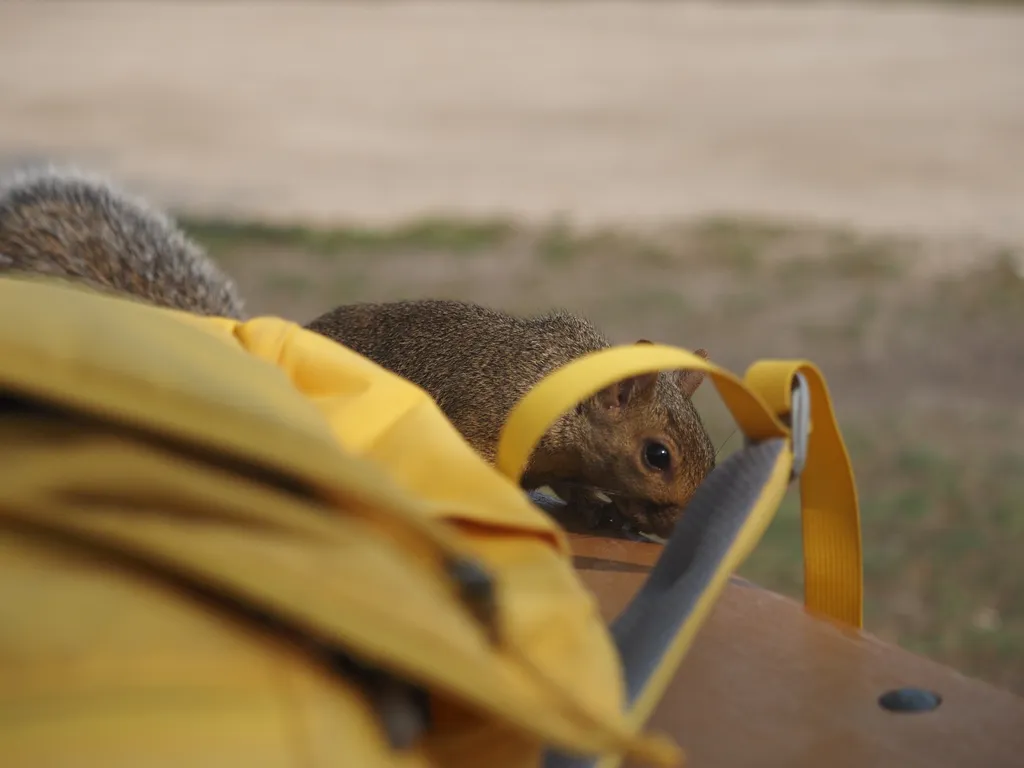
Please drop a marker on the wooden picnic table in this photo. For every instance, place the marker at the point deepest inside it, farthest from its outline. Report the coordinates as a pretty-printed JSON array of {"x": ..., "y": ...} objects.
[{"x": 766, "y": 684}]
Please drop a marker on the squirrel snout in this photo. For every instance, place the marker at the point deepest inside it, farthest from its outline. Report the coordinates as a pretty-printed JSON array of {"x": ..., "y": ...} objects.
[{"x": 650, "y": 520}]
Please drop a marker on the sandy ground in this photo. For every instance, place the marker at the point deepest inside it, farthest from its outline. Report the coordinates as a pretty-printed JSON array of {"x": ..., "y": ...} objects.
[{"x": 908, "y": 118}]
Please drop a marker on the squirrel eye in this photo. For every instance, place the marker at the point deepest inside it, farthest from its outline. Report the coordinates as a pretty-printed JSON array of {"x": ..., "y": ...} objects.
[{"x": 657, "y": 456}]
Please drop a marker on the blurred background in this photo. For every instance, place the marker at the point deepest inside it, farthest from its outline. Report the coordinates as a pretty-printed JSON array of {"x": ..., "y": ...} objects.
[{"x": 842, "y": 182}]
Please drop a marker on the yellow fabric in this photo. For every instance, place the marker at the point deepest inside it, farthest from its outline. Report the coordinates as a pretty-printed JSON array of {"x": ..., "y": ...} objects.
[
  {"x": 104, "y": 667},
  {"x": 360, "y": 569},
  {"x": 830, "y": 513},
  {"x": 358, "y": 562},
  {"x": 373, "y": 413}
]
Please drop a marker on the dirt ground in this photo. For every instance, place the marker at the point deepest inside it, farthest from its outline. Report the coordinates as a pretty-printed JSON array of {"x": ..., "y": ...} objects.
[
  {"x": 904, "y": 117},
  {"x": 834, "y": 181}
]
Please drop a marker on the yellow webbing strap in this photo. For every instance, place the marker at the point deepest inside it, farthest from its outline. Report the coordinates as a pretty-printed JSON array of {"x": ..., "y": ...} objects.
[
  {"x": 728, "y": 514},
  {"x": 829, "y": 511},
  {"x": 833, "y": 582}
]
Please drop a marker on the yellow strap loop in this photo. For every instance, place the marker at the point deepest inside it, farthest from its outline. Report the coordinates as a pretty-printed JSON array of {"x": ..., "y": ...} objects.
[
  {"x": 829, "y": 509},
  {"x": 562, "y": 389},
  {"x": 833, "y": 578}
]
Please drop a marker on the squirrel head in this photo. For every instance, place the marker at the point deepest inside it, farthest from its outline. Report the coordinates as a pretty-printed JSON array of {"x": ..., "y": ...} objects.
[{"x": 645, "y": 450}]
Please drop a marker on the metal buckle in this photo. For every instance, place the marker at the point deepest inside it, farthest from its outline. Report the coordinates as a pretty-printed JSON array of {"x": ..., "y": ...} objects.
[{"x": 799, "y": 422}]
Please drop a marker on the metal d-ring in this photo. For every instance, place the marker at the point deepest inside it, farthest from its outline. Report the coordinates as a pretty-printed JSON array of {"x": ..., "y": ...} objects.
[{"x": 799, "y": 422}]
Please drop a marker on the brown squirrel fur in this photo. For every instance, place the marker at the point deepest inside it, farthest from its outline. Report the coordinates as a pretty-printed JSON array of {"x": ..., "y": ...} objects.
[
  {"x": 478, "y": 362},
  {"x": 474, "y": 361},
  {"x": 70, "y": 225}
]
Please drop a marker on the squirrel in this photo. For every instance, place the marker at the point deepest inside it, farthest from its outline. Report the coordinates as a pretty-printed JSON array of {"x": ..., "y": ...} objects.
[
  {"x": 68, "y": 224},
  {"x": 628, "y": 458}
]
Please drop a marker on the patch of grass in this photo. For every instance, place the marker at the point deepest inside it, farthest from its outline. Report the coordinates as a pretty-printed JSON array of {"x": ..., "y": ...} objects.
[
  {"x": 865, "y": 311},
  {"x": 847, "y": 327},
  {"x": 642, "y": 306},
  {"x": 745, "y": 301},
  {"x": 941, "y": 535},
  {"x": 349, "y": 286},
  {"x": 839, "y": 254},
  {"x": 995, "y": 288},
  {"x": 832, "y": 333},
  {"x": 434, "y": 234},
  {"x": 863, "y": 257},
  {"x": 735, "y": 243},
  {"x": 777, "y": 563},
  {"x": 290, "y": 284},
  {"x": 558, "y": 244}
]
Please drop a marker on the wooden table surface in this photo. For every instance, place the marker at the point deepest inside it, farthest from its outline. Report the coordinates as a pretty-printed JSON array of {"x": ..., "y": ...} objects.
[{"x": 767, "y": 685}]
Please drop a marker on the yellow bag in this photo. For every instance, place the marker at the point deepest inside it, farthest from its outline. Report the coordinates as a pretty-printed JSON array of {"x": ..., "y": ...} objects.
[{"x": 229, "y": 543}]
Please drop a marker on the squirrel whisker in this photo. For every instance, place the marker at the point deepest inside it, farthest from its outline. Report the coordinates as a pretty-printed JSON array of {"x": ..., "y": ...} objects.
[{"x": 726, "y": 442}]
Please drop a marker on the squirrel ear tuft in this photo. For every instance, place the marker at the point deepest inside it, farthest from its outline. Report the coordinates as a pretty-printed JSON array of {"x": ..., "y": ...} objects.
[{"x": 689, "y": 381}]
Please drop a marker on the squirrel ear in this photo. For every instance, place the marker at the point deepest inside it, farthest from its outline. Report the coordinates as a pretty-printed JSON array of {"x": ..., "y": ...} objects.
[
  {"x": 619, "y": 394},
  {"x": 688, "y": 381}
]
